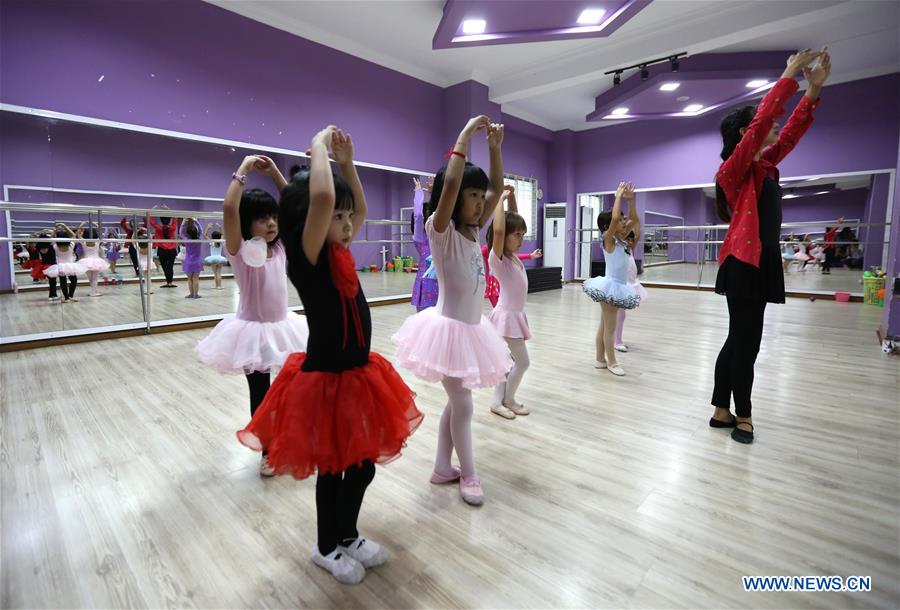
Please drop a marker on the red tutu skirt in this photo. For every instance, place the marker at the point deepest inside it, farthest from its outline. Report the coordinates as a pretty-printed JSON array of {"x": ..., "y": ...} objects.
[{"x": 316, "y": 421}]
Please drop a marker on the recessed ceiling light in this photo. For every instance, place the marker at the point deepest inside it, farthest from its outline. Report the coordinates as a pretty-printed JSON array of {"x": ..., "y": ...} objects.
[
  {"x": 474, "y": 26},
  {"x": 682, "y": 98},
  {"x": 822, "y": 193},
  {"x": 591, "y": 16},
  {"x": 790, "y": 196},
  {"x": 757, "y": 83},
  {"x": 618, "y": 111},
  {"x": 669, "y": 86},
  {"x": 693, "y": 107}
]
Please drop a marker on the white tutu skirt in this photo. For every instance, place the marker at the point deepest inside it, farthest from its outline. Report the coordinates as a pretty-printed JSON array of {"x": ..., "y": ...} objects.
[
  {"x": 93, "y": 263},
  {"x": 215, "y": 260},
  {"x": 607, "y": 290},
  {"x": 512, "y": 324},
  {"x": 799, "y": 256},
  {"x": 64, "y": 269},
  {"x": 242, "y": 346},
  {"x": 433, "y": 346}
]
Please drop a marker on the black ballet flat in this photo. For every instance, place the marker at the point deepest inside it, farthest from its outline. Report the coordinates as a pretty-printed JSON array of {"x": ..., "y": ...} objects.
[
  {"x": 718, "y": 423},
  {"x": 743, "y": 436}
]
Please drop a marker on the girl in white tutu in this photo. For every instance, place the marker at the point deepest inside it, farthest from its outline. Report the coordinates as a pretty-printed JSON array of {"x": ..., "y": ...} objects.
[
  {"x": 93, "y": 263},
  {"x": 256, "y": 340},
  {"x": 453, "y": 342},
  {"x": 506, "y": 233},
  {"x": 66, "y": 267},
  {"x": 632, "y": 242},
  {"x": 613, "y": 291},
  {"x": 215, "y": 258}
]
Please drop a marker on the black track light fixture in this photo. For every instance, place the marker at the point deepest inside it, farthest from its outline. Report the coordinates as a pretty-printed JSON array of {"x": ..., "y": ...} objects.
[
  {"x": 645, "y": 73},
  {"x": 675, "y": 63},
  {"x": 617, "y": 79}
]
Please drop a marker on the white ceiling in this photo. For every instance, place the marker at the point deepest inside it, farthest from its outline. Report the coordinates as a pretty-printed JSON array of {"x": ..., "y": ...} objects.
[{"x": 554, "y": 84}]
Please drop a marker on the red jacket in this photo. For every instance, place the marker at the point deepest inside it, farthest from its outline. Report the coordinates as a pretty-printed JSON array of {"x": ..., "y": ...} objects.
[
  {"x": 741, "y": 177},
  {"x": 162, "y": 231}
]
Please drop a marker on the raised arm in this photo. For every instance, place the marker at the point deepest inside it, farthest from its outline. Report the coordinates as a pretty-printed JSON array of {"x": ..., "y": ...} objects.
[
  {"x": 268, "y": 167},
  {"x": 498, "y": 239},
  {"x": 342, "y": 147},
  {"x": 616, "y": 220},
  {"x": 418, "y": 213},
  {"x": 634, "y": 222},
  {"x": 453, "y": 174},
  {"x": 495, "y": 172},
  {"x": 321, "y": 195},
  {"x": 231, "y": 205}
]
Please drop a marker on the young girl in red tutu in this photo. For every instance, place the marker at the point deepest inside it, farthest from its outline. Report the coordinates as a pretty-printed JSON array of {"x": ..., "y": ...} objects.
[{"x": 338, "y": 408}]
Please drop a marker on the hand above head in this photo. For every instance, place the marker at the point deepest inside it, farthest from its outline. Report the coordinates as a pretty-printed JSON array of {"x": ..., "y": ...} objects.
[
  {"x": 818, "y": 74},
  {"x": 265, "y": 165},
  {"x": 628, "y": 191},
  {"x": 429, "y": 184},
  {"x": 620, "y": 191},
  {"x": 324, "y": 137},
  {"x": 416, "y": 184},
  {"x": 495, "y": 135},
  {"x": 342, "y": 147},
  {"x": 474, "y": 125},
  {"x": 798, "y": 61}
]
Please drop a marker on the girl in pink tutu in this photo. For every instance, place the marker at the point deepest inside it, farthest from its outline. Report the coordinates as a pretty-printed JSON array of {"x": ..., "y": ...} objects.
[
  {"x": 67, "y": 269},
  {"x": 632, "y": 242},
  {"x": 256, "y": 340},
  {"x": 93, "y": 263},
  {"x": 506, "y": 233},
  {"x": 339, "y": 408},
  {"x": 453, "y": 342}
]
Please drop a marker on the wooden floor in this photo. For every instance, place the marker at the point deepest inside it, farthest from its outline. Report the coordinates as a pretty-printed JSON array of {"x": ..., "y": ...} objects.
[
  {"x": 840, "y": 279},
  {"x": 29, "y": 312},
  {"x": 123, "y": 484}
]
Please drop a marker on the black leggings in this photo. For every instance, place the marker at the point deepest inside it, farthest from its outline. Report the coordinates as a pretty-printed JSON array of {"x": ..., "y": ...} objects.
[
  {"x": 338, "y": 501},
  {"x": 259, "y": 385},
  {"x": 829, "y": 259},
  {"x": 52, "y": 287},
  {"x": 68, "y": 288},
  {"x": 734, "y": 366},
  {"x": 167, "y": 262},
  {"x": 132, "y": 252}
]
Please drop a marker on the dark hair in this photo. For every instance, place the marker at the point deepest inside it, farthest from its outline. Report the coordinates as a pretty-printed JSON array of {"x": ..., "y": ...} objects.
[
  {"x": 604, "y": 219},
  {"x": 216, "y": 235},
  {"x": 192, "y": 230},
  {"x": 513, "y": 222},
  {"x": 62, "y": 234},
  {"x": 294, "y": 170},
  {"x": 293, "y": 210},
  {"x": 165, "y": 220},
  {"x": 90, "y": 233},
  {"x": 256, "y": 204},
  {"x": 42, "y": 245},
  {"x": 731, "y": 127},
  {"x": 473, "y": 178}
]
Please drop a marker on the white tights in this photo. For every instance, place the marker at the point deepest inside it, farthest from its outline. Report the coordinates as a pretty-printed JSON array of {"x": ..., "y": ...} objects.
[
  {"x": 505, "y": 392},
  {"x": 455, "y": 430}
]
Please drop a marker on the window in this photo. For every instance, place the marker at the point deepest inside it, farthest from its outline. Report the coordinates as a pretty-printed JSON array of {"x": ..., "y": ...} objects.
[{"x": 526, "y": 198}]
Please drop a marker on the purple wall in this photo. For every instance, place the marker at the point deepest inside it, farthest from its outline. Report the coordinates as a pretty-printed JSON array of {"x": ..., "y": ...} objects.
[
  {"x": 216, "y": 73},
  {"x": 875, "y": 212}
]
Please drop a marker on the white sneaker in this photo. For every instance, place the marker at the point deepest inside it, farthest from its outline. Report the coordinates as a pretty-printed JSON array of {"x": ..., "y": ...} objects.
[
  {"x": 621, "y": 347},
  {"x": 265, "y": 469},
  {"x": 366, "y": 552},
  {"x": 616, "y": 370},
  {"x": 600, "y": 364},
  {"x": 342, "y": 566}
]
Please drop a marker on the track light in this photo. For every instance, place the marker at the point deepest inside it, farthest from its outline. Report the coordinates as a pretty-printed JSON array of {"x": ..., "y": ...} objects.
[
  {"x": 617, "y": 79},
  {"x": 645, "y": 73},
  {"x": 675, "y": 63}
]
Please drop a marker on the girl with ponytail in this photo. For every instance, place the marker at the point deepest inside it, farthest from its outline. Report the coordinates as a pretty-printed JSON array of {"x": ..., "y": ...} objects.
[{"x": 749, "y": 199}]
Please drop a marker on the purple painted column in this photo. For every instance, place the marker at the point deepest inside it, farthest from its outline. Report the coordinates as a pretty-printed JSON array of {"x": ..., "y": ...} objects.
[
  {"x": 876, "y": 210},
  {"x": 562, "y": 186},
  {"x": 891, "y": 320}
]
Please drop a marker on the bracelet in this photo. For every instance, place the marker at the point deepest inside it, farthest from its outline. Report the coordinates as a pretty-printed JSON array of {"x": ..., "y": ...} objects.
[
  {"x": 239, "y": 178},
  {"x": 456, "y": 152}
]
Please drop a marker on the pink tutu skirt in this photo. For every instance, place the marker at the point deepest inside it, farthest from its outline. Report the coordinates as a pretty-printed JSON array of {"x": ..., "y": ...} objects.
[
  {"x": 640, "y": 290},
  {"x": 433, "y": 346},
  {"x": 93, "y": 263},
  {"x": 64, "y": 269},
  {"x": 512, "y": 324},
  {"x": 243, "y": 346}
]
